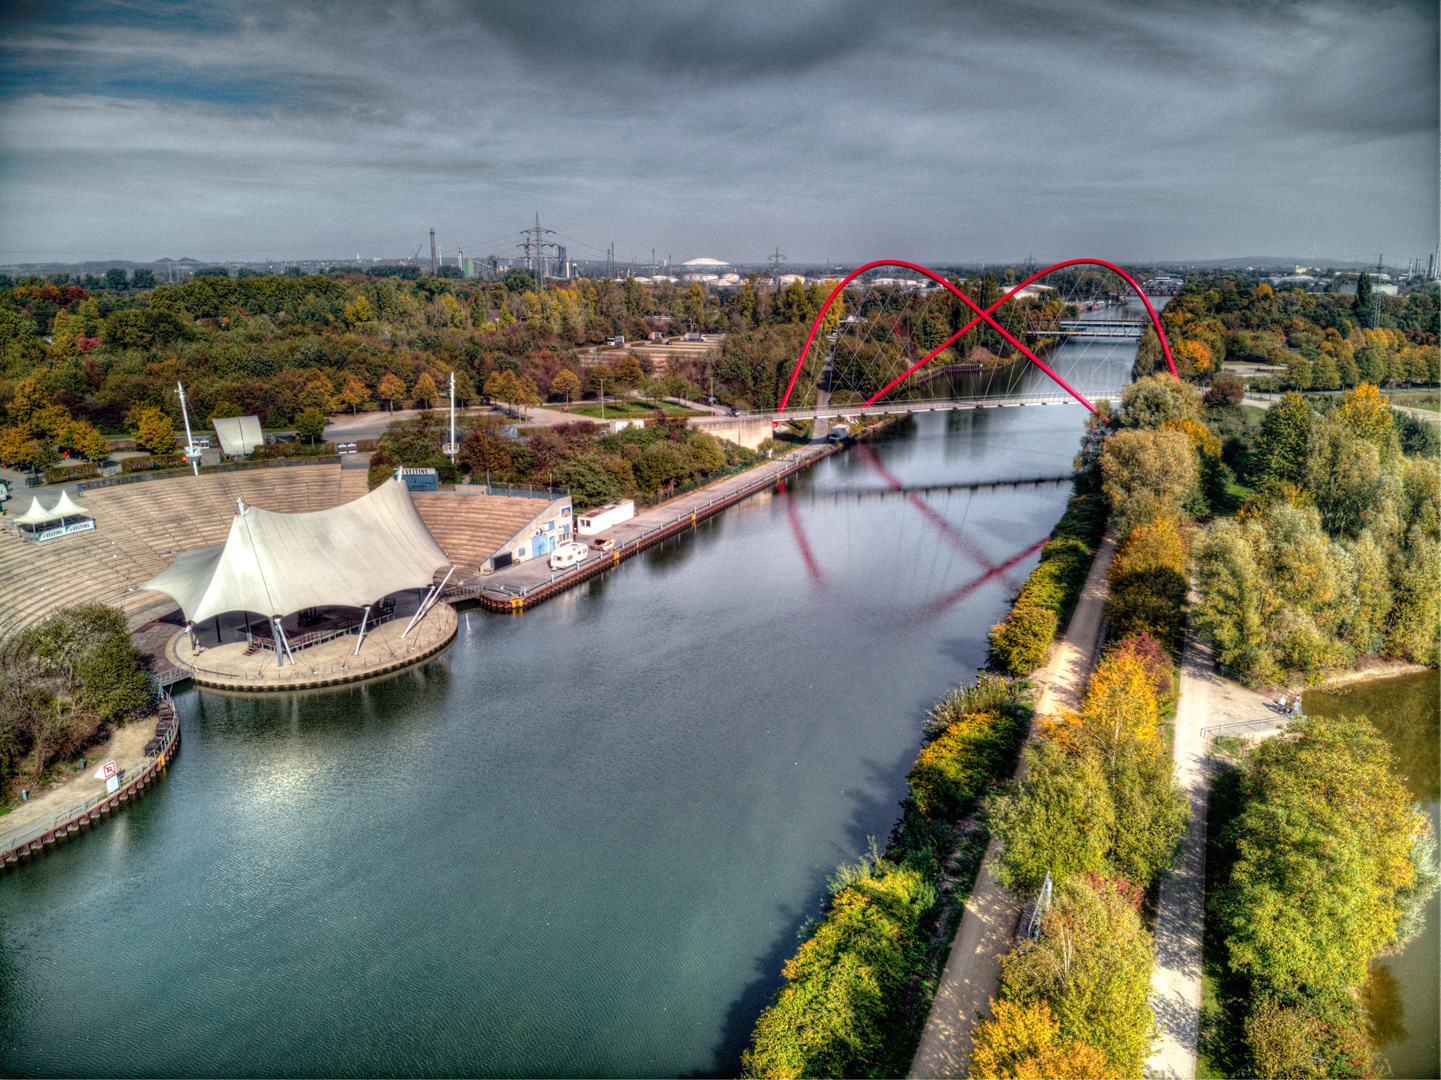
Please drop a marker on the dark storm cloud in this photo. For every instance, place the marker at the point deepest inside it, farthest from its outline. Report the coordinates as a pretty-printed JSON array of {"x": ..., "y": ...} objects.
[{"x": 837, "y": 129}]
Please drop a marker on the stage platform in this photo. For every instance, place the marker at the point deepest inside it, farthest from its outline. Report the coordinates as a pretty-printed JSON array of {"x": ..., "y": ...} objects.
[{"x": 326, "y": 663}]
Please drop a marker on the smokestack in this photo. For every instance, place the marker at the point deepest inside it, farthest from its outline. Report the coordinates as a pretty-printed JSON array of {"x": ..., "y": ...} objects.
[{"x": 432, "y": 252}]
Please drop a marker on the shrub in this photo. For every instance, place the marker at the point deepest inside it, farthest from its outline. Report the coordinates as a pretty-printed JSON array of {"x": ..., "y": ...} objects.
[
  {"x": 1047, "y": 599},
  {"x": 1019, "y": 642},
  {"x": 954, "y": 770},
  {"x": 65, "y": 474},
  {"x": 844, "y": 986},
  {"x": 1324, "y": 1037}
]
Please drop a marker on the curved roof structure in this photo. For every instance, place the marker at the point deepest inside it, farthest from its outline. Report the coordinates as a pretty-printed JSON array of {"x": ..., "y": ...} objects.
[
  {"x": 238, "y": 434},
  {"x": 273, "y": 564}
]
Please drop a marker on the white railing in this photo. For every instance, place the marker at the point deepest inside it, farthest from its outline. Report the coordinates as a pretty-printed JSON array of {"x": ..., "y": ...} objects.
[{"x": 24, "y": 837}]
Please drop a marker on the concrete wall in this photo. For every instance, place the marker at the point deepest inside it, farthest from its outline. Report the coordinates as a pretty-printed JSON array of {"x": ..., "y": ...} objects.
[
  {"x": 748, "y": 431},
  {"x": 556, "y": 520}
]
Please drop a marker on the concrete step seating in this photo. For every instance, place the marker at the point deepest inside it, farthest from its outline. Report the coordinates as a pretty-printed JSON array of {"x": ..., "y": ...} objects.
[
  {"x": 140, "y": 526},
  {"x": 471, "y": 528}
]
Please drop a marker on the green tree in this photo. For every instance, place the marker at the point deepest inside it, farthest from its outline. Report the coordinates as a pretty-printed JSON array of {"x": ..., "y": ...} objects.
[
  {"x": 1149, "y": 402},
  {"x": 1058, "y": 820},
  {"x": 310, "y": 425},
  {"x": 1092, "y": 967},
  {"x": 1147, "y": 475},
  {"x": 1281, "y": 446},
  {"x": 155, "y": 432},
  {"x": 1365, "y": 300},
  {"x": 1326, "y": 863},
  {"x": 142, "y": 278}
]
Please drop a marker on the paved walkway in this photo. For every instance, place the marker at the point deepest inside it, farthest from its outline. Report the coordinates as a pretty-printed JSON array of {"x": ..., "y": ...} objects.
[
  {"x": 125, "y": 746},
  {"x": 988, "y": 925},
  {"x": 1206, "y": 698}
]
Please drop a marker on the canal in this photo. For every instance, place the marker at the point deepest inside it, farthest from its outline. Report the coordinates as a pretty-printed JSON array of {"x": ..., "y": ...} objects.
[
  {"x": 582, "y": 841},
  {"x": 1403, "y": 996}
]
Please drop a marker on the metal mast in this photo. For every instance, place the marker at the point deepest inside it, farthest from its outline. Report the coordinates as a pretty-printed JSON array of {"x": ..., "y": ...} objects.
[{"x": 191, "y": 453}]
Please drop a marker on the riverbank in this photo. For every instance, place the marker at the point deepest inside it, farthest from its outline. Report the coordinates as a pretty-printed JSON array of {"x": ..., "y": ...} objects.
[
  {"x": 65, "y": 809},
  {"x": 972, "y": 975},
  {"x": 518, "y": 588}
]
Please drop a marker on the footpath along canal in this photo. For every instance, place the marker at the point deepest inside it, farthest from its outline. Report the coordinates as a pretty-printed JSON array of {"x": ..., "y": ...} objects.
[{"x": 580, "y": 842}]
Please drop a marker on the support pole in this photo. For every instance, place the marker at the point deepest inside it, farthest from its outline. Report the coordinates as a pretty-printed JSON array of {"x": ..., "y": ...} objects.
[
  {"x": 281, "y": 640},
  {"x": 363, "y": 619},
  {"x": 438, "y": 590},
  {"x": 414, "y": 618},
  {"x": 275, "y": 629}
]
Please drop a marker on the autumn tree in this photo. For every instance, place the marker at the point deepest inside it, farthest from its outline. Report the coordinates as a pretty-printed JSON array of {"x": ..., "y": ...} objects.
[
  {"x": 425, "y": 392},
  {"x": 566, "y": 384},
  {"x": 1023, "y": 1040},
  {"x": 1147, "y": 475},
  {"x": 353, "y": 393},
  {"x": 392, "y": 388}
]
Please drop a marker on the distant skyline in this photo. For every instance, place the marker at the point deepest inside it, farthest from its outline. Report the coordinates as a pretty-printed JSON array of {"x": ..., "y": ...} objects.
[{"x": 839, "y": 131}]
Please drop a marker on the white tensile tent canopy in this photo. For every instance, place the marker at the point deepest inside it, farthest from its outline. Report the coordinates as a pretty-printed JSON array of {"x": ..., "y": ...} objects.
[
  {"x": 239, "y": 435},
  {"x": 273, "y": 564},
  {"x": 64, "y": 508}
]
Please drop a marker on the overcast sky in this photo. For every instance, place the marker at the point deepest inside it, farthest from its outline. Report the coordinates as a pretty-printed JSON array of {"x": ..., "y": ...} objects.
[{"x": 840, "y": 130}]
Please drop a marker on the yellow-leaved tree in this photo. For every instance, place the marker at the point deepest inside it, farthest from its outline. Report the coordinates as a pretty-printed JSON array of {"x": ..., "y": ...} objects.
[{"x": 1022, "y": 1041}]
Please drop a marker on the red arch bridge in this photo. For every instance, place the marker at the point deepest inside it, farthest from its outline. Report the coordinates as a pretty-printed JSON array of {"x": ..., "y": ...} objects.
[{"x": 891, "y": 349}]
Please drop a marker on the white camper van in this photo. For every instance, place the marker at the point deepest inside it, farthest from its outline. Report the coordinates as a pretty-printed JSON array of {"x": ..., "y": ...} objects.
[{"x": 567, "y": 555}]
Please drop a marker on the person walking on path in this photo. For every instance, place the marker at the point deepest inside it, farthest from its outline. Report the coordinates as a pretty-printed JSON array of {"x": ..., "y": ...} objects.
[{"x": 973, "y": 971}]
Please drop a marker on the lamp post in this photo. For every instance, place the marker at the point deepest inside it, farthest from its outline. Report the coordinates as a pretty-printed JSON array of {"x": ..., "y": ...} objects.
[{"x": 602, "y": 398}]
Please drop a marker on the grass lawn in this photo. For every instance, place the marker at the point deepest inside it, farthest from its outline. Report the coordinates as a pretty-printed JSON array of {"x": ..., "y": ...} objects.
[
  {"x": 1417, "y": 399},
  {"x": 630, "y": 410}
]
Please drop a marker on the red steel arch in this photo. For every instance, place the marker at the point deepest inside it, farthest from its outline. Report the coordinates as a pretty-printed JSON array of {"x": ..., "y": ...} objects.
[{"x": 980, "y": 316}]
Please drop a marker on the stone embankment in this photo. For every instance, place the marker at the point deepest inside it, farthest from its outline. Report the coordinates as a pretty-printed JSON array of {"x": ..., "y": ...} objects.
[{"x": 21, "y": 844}]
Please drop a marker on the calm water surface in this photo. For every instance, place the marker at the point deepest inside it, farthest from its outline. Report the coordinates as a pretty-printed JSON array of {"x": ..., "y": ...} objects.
[
  {"x": 1403, "y": 996},
  {"x": 579, "y": 843}
]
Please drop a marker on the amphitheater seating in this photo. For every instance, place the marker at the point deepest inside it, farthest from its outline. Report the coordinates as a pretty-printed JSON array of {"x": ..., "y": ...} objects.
[
  {"x": 471, "y": 528},
  {"x": 138, "y": 527}
]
